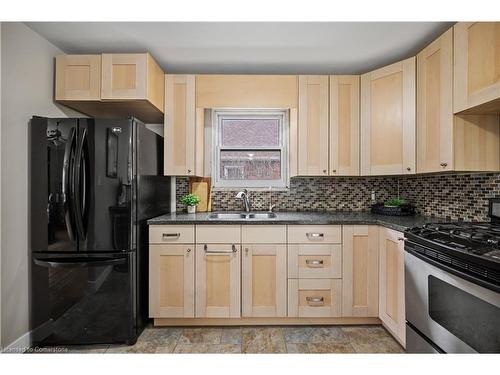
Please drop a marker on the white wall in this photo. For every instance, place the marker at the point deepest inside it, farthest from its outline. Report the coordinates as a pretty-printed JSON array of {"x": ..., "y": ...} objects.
[{"x": 27, "y": 74}]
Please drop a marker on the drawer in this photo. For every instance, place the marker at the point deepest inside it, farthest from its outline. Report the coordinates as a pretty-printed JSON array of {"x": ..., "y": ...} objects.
[
  {"x": 314, "y": 261},
  {"x": 314, "y": 298},
  {"x": 171, "y": 234},
  {"x": 314, "y": 234},
  {"x": 263, "y": 234},
  {"x": 218, "y": 234}
]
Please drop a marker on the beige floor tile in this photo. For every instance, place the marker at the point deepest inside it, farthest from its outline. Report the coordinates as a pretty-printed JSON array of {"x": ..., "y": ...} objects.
[
  {"x": 202, "y": 348},
  {"x": 323, "y": 347},
  {"x": 200, "y": 336},
  {"x": 299, "y": 348},
  {"x": 383, "y": 345},
  {"x": 231, "y": 335},
  {"x": 263, "y": 340}
]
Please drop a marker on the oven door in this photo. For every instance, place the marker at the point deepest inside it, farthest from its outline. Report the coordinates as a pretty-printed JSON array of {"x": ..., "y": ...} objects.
[{"x": 454, "y": 314}]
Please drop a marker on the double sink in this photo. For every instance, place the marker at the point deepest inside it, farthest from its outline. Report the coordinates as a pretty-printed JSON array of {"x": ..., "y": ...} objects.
[{"x": 242, "y": 215}]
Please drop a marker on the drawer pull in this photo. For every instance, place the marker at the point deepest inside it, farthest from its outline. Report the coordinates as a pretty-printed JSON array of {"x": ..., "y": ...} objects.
[
  {"x": 315, "y": 235},
  {"x": 314, "y": 263},
  {"x": 233, "y": 250},
  {"x": 315, "y": 301},
  {"x": 170, "y": 235}
]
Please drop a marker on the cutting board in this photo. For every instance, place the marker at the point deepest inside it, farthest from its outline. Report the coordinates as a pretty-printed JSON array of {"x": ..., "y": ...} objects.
[{"x": 201, "y": 189}]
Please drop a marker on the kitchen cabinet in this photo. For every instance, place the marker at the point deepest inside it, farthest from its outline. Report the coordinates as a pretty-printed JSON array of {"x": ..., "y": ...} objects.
[
  {"x": 263, "y": 265},
  {"x": 446, "y": 142},
  {"x": 392, "y": 283},
  {"x": 182, "y": 141},
  {"x": 313, "y": 126},
  {"x": 171, "y": 281},
  {"x": 307, "y": 261},
  {"x": 218, "y": 280},
  {"x": 434, "y": 105},
  {"x": 111, "y": 85},
  {"x": 264, "y": 280},
  {"x": 78, "y": 77},
  {"x": 344, "y": 126},
  {"x": 388, "y": 120},
  {"x": 360, "y": 270},
  {"x": 477, "y": 67}
]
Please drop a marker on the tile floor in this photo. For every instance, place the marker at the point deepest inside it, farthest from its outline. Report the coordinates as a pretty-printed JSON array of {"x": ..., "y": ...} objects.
[{"x": 296, "y": 339}]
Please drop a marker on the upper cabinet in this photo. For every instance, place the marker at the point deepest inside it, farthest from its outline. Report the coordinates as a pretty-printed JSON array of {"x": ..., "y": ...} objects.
[
  {"x": 388, "y": 120},
  {"x": 446, "y": 142},
  {"x": 78, "y": 77},
  {"x": 434, "y": 105},
  {"x": 111, "y": 85},
  {"x": 180, "y": 133},
  {"x": 344, "y": 126},
  {"x": 313, "y": 126},
  {"x": 477, "y": 67}
]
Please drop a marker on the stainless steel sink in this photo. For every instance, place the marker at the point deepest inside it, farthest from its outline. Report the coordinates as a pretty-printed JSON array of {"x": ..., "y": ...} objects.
[
  {"x": 262, "y": 216},
  {"x": 242, "y": 216}
]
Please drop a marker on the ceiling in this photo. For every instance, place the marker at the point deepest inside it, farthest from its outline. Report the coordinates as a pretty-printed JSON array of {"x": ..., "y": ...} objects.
[{"x": 251, "y": 47}]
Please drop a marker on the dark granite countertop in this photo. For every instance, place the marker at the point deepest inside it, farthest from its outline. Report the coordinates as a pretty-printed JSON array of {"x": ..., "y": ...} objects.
[{"x": 335, "y": 217}]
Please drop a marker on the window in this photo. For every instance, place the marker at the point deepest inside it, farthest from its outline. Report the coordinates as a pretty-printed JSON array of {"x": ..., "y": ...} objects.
[{"x": 250, "y": 148}]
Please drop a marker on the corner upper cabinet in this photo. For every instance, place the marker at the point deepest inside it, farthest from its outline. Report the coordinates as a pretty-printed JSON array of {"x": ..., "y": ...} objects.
[
  {"x": 78, "y": 77},
  {"x": 477, "y": 67},
  {"x": 180, "y": 127},
  {"x": 111, "y": 85},
  {"x": 388, "y": 120},
  {"x": 313, "y": 125},
  {"x": 435, "y": 105},
  {"x": 344, "y": 126}
]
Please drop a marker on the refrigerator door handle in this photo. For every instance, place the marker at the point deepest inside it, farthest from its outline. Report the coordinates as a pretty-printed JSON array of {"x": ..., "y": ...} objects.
[
  {"x": 78, "y": 262},
  {"x": 67, "y": 176},
  {"x": 80, "y": 186}
]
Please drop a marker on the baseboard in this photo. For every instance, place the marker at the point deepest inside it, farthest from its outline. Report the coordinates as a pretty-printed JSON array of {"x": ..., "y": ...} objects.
[{"x": 262, "y": 321}]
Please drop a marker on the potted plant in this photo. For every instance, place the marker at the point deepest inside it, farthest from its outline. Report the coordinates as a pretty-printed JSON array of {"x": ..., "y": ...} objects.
[{"x": 191, "y": 201}]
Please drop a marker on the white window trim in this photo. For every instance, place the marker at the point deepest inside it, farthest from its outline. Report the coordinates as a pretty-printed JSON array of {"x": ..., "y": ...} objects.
[{"x": 225, "y": 113}]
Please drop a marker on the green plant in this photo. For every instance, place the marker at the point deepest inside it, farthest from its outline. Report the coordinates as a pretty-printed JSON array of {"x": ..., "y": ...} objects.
[
  {"x": 395, "y": 202},
  {"x": 190, "y": 200}
]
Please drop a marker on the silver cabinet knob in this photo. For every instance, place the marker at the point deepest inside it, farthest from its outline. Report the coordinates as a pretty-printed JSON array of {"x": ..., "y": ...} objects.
[
  {"x": 408, "y": 169},
  {"x": 189, "y": 171},
  {"x": 324, "y": 170},
  {"x": 246, "y": 249},
  {"x": 444, "y": 165},
  {"x": 188, "y": 250},
  {"x": 334, "y": 171}
]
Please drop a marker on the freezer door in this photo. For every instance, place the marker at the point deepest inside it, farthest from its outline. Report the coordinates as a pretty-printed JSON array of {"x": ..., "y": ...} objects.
[
  {"x": 52, "y": 162},
  {"x": 82, "y": 299},
  {"x": 104, "y": 185}
]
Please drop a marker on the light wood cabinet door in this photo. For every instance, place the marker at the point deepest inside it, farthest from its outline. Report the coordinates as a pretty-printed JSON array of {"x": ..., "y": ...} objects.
[
  {"x": 314, "y": 298},
  {"x": 171, "y": 281},
  {"x": 360, "y": 270},
  {"x": 477, "y": 67},
  {"x": 180, "y": 125},
  {"x": 388, "y": 120},
  {"x": 264, "y": 280},
  {"x": 218, "y": 281},
  {"x": 434, "y": 106},
  {"x": 391, "y": 282},
  {"x": 78, "y": 77},
  {"x": 124, "y": 76},
  {"x": 344, "y": 126},
  {"x": 313, "y": 126}
]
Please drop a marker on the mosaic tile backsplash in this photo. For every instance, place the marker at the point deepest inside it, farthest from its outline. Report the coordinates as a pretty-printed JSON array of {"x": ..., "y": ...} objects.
[{"x": 461, "y": 196}]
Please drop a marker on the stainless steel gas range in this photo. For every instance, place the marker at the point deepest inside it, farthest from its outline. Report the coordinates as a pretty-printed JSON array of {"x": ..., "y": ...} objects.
[{"x": 452, "y": 286}]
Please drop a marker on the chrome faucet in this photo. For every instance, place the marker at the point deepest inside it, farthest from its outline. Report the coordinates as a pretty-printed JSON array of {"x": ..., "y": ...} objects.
[{"x": 244, "y": 195}]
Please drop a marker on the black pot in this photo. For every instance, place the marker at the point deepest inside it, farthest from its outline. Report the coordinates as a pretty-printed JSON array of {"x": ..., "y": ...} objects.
[{"x": 403, "y": 210}]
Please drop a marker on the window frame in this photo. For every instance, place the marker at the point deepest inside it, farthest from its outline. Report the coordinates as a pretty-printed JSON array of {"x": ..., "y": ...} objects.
[{"x": 218, "y": 115}]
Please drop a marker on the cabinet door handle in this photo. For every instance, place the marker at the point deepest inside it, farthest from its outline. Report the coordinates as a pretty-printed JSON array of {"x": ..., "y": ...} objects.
[
  {"x": 314, "y": 263},
  {"x": 233, "y": 250},
  {"x": 324, "y": 171},
  {"x": 315, "y": 301},
  {"x": 408, "y": 169},
  {"x": 401, "y": 239},
  {"x": 443, "y": 165},
  {"x": 315, "y": 235},
  {"x": 170, "y": 235},
  {"x": 188, "y": 250}
]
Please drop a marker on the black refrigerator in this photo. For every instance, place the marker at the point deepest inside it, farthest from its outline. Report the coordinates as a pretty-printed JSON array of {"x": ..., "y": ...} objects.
[{"x": 93, "y": 185}]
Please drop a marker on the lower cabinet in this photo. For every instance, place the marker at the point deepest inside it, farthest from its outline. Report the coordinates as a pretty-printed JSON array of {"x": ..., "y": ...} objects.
[
  {"x": 263, "y": 281},
  {"x": 392, "y": 283},
  {"x": 171, "y": 281},
  {"x": 314, "y": 298},
  {"x": 360, "y": 270},
  {"x": 218, "y": 280}
]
